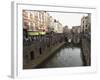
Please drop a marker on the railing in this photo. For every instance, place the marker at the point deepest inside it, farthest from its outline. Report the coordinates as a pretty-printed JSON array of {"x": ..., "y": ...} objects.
[{"x": 45, "y": 38}]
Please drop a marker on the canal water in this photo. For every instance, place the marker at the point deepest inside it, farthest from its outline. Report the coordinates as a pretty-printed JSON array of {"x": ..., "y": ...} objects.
[{"x": 67, "y": 56}]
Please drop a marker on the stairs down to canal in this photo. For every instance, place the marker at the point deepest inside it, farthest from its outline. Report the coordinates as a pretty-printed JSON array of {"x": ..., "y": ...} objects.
[{"x": 49, "y": 52}]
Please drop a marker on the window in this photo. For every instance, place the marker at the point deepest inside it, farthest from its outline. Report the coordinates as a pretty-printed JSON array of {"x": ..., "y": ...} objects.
[
  {"x": 83, "y": 22},
  {"x": 86, "y": 26}
]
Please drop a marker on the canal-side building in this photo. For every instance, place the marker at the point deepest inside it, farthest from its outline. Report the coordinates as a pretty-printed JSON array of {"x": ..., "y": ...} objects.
[
  {"x": 55, "y": 26},
  {"x": 35, "y": 20},
  {"x": 65, "y": 29},
  {"x": 51, "y": 24},
  {"x": 26, "y": 17},
  {"x": 86, "y": 23},
  {"x": 59, "y": 28},
  {"x": 86, "y": 38},
  {"x": 41, "y": 21}
]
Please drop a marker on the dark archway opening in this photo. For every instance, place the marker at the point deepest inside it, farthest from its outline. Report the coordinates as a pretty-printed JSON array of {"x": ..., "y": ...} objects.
[{"x": 32, "y": 55}]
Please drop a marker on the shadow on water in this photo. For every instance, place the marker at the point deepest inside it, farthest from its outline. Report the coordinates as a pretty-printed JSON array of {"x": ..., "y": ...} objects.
[{"x": 69, "y": 55}]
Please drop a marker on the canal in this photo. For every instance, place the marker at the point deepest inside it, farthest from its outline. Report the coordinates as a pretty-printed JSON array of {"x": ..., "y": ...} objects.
[{"x": 68, "y": 56}]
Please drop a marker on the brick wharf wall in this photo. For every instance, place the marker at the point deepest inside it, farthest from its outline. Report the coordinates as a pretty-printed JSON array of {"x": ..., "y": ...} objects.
[
  {"x": 37, "y": 45},
  {"x": 86, "y": 50}
]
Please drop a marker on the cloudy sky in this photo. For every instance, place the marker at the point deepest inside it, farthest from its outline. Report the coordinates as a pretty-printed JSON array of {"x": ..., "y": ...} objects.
[{"x": 70, "y": 19}]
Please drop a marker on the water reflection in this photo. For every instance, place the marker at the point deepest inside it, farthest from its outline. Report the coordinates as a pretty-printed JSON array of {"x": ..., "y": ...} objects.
[{"x": 67, "y": 56}]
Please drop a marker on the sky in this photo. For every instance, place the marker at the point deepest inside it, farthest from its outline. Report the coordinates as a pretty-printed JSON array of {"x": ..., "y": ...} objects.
[{"x": 69, "y": 19}]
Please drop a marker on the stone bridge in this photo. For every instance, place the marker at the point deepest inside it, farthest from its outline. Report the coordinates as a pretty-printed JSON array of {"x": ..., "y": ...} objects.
[{"x": 72, "y": 38}]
